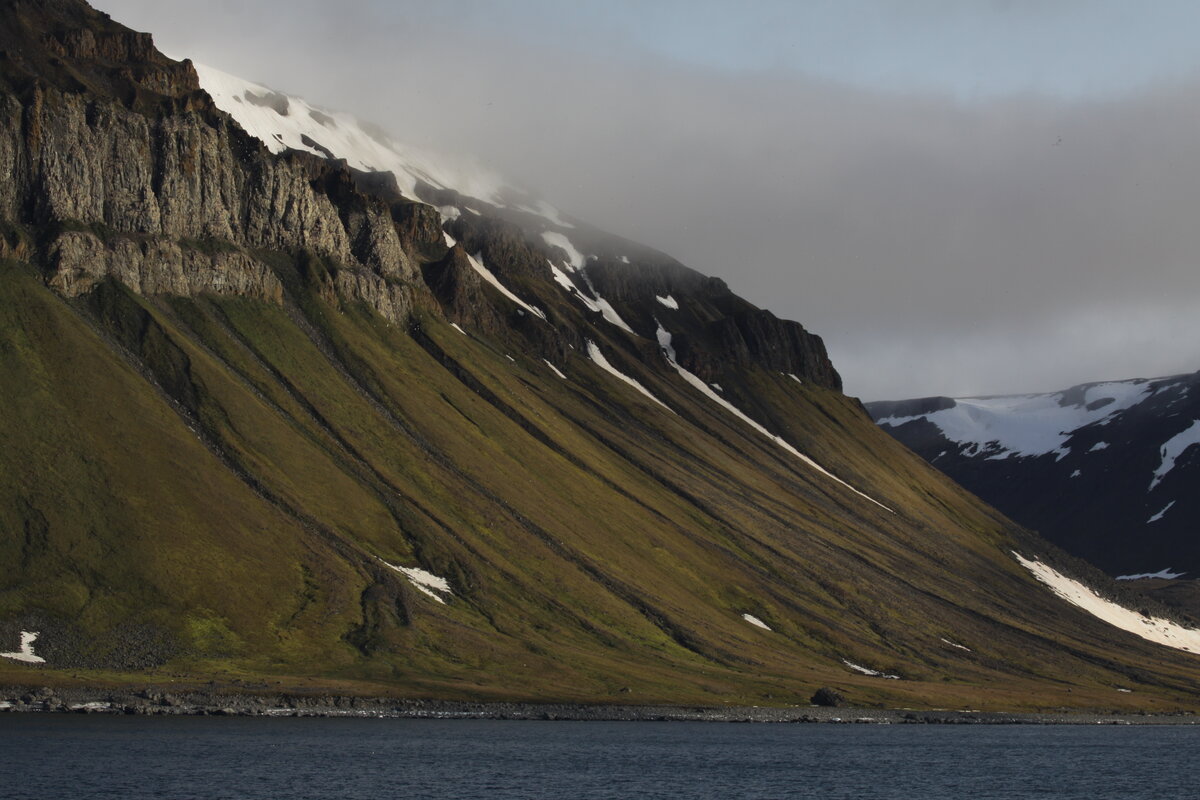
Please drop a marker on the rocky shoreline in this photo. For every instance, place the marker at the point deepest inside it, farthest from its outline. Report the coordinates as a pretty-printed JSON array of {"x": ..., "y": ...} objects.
[{"x": 149, "y": 702}]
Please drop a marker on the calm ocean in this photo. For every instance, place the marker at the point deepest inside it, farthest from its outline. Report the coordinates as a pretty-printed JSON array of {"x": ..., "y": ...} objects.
[{"x": 54, "y": 756}]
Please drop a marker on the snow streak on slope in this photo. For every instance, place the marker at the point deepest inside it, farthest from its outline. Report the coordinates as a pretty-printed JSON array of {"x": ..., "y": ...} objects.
[
  {"x": 1173, "y": 448},
  {"x": 1154, "y": 629},
  {"x": 477, "y": 263},
  {"x": 1027, "y": 425},
  {"x": 867, "y": 671},
  {"x": 424, "y": 581},
  {"x": 575, "y": 259},
  {"x": 602, "y": 362},
  {"x": 756, "y": 622},
  {"x": 664, "y": 341},
  {"x": 1163, "y": 574}
]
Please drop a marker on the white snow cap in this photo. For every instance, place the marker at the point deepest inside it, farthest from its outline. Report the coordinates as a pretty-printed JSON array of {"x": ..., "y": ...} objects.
[
  {"x": 258, "y": 110},
  {"x": 1028, "y": 425}
]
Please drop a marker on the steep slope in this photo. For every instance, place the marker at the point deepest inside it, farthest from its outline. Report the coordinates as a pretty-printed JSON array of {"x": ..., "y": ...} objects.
[
  {"x": 1105, "y": 470},
  {"x": 271, "y": 418}
]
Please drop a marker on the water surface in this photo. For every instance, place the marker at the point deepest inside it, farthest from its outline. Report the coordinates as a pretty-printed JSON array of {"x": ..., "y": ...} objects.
[{"x": 75, "y": 756}]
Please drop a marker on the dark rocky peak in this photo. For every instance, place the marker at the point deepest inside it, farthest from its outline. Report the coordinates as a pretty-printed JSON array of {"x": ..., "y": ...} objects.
[{"x": 73, "y": 48}]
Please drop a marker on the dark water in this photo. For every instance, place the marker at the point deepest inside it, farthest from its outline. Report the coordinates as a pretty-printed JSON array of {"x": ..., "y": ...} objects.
[{"x": 195, "y": 757}]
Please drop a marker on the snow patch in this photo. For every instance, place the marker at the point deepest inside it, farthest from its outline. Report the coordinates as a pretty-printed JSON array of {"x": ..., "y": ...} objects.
[
  {"x": 450, "y": 240},
  {"x": 1154, "y": 629},
  {"x": 611, "y": 314},
  {"x": 460, "y": 330},
  {"x": 26, "y": 653},
  {"x": 1076, "y": 474},
  {"x": 797, "y": 380},
  {"x": 1173, "y": 448},
  {"x": 1165, "y": 574},
  {"x": 477, "y": 262},
  {"x": 1098, "y": 446},
  {"x": 1160, "y": 514},
  {"x": 664, "y": 341},
  {"x": 873, "y": 673},
  {"x": 546, "y": 211},
  {"x": 562, "y": 280},
  {"x": 555, "y": 370},
  {"x": 449, "y": 213},
  {"x": 424, "y": 581},
  {"x": 668, "y": 301},
  {"x": 602, "y": 362},
  {"x": 555, "y": 239},
  {"x": 753, "y": 620},
  {"x": 955, "y": 644}
]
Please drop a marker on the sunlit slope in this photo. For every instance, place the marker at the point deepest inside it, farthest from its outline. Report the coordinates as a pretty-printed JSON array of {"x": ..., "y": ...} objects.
[{"x": 211, "y": 486}]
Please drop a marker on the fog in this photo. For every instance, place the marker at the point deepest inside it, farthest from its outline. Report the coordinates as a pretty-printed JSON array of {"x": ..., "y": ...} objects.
[{"x": 940, "y": 244}]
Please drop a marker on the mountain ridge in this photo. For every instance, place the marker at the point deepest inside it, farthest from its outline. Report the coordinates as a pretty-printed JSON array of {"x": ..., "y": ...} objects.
[
  {"x": 1103, "y": 469},
  {"x": 270, "y": 419}
]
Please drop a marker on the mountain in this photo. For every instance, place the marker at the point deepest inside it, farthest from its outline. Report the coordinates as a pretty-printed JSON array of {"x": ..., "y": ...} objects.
[
  {"x": 1107, "y": 471},
  {"x": 277, "y": 419}
]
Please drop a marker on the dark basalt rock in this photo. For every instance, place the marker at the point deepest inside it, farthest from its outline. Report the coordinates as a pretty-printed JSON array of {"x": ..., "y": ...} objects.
[{"x": 830, "y": 698}]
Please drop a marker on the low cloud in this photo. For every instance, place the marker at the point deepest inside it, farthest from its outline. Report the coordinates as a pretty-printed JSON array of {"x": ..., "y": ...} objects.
[{"x": 939, "y": 246}]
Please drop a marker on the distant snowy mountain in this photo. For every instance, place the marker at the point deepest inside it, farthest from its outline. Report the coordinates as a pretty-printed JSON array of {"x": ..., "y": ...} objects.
[{"x": 1108, "y": 471}]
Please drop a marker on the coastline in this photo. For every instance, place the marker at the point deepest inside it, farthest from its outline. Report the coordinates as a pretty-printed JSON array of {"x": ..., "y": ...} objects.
[{"x": 147, "y": 702}]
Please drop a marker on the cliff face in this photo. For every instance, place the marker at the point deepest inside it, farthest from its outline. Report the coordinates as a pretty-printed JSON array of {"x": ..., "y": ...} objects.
[
  {"x": 125, "y": 168},
  {"x": 122, "y": 166}
]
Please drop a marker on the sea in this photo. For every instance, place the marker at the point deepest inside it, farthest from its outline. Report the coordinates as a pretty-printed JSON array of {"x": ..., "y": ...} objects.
[{"x": 98, "y": 756}]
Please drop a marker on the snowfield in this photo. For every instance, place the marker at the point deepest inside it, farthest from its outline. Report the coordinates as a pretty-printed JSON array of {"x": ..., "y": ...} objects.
[
  {"x": 1028, "y": 425},
  {"x": 282, "y": 122}
]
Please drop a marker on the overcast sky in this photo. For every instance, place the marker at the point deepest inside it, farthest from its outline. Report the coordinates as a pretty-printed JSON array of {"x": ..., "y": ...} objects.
[{"x": 961, "y": 196}]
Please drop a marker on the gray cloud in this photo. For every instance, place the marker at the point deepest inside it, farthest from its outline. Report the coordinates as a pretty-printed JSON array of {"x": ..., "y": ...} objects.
[{"x": 940, "y": 247}]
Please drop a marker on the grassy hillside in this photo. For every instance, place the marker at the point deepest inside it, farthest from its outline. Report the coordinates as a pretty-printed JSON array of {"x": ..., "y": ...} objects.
[{"x": 208, "y": 488}]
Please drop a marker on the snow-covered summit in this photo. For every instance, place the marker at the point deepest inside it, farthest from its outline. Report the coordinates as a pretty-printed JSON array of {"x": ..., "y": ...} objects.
[
  {"x": 1105, "y": 470},
  {"x": 1024, "y": 425},
  {"x": 282, "y": 121}
]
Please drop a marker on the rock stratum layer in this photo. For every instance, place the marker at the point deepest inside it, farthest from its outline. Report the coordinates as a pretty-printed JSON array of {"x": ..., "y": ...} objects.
[{"x": 273, "y": 420}]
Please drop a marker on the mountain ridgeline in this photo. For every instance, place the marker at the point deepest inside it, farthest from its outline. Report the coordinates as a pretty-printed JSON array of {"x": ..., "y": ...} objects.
[
  {"x": 1107, "y": 471},
  {"x": 283, "y": 406}
]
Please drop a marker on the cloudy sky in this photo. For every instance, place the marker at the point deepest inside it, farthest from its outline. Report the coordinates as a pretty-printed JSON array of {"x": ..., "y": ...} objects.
[{"x": 960, "y": 196}]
